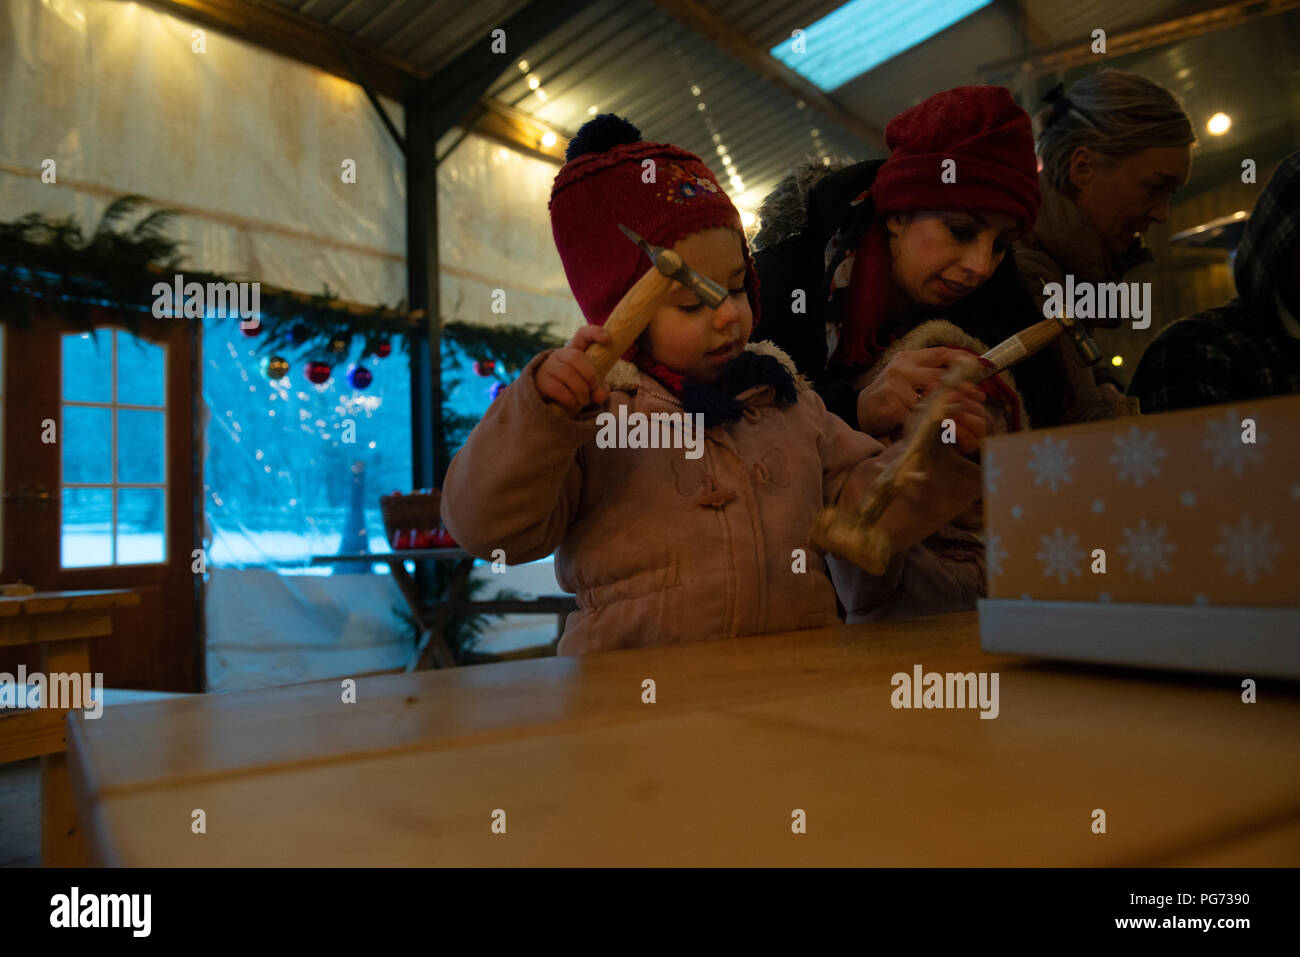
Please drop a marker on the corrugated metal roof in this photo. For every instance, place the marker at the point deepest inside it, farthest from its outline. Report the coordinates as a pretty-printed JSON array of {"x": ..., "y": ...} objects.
[{"x": 632, "y": 58}]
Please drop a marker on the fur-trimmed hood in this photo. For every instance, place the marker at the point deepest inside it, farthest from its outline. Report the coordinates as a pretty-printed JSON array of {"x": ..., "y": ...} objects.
[{"x": 940, "y": 332}]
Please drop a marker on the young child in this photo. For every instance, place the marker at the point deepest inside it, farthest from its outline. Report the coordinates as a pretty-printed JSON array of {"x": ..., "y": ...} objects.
[{"x": 665, "y": 545}]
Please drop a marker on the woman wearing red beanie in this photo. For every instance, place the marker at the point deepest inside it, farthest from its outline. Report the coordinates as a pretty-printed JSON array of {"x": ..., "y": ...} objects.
[
  {"x": 857, "y": 263},
  {"x": 852, "y": 260}
]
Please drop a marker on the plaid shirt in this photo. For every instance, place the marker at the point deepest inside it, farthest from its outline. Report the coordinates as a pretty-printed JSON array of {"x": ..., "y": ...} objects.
[{"x": 1248, "y": 348}]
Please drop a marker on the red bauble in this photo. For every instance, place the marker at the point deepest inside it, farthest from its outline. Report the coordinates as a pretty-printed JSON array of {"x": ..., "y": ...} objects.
[
  {"x": 485, "y": 367},
  {"x": 383, "y": 349},
  {"x": 318, "y": 373},
  {"x": 253, "y": 330},
  {"x": 424, "y": 538}
]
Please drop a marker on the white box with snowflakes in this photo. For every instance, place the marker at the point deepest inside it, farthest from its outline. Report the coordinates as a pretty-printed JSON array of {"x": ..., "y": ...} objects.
[{"x": 1135, "y": 525}]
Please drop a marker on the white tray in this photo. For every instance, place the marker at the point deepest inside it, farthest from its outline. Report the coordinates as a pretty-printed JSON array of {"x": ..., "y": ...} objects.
[{"x": 1225, "y": 639}]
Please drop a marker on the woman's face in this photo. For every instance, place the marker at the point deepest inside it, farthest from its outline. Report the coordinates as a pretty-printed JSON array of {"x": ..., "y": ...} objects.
[
  {"x": 939, "y": 258},
  {"x": 1122, "y": 197}
]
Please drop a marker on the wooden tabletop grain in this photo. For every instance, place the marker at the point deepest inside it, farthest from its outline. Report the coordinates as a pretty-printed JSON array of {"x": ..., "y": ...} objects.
[{"x": 743, "y": 735}]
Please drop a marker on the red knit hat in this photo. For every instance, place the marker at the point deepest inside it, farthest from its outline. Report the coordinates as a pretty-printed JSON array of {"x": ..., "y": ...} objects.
[
  {"x": 991, "y": 141},
  {"x": 604, "y": 183},
  {"x": 988, "y": 137}
]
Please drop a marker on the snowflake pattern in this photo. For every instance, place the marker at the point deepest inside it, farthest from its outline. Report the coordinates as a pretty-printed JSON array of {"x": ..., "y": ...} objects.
[
  {"x": 1061, "y": 554},
  {"x": 991, "y": 474},
  {"x": 1246, "y": 549},
  {"x": 994, "y": 554},
  {"x": 1051, "y": 462},
  {"x": 1146, "y": 550},
  {"x": 1137, "y": 456},
  {"x": 1227, "y": 450}
]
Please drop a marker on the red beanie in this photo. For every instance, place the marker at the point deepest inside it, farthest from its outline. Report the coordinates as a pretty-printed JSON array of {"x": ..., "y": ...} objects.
[
  {"x": 606, "y": 182},
  {"x": 989, "y": 138},
  {"x": 991, "y": 142}
]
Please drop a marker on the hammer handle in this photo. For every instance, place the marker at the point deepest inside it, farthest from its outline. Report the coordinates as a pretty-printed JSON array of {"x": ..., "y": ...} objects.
[
  {"x": 1021, "y": 346},
  {"x": 629, "y": 318}
]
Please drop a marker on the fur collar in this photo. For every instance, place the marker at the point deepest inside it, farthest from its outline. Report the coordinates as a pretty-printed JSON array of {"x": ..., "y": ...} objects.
[{"x": 626, "y": 377}]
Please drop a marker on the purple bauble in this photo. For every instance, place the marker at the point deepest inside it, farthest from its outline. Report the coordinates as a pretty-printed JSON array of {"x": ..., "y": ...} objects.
[
  {"x": 359, "y": 377},
  {"x": 495, "y": 389}
]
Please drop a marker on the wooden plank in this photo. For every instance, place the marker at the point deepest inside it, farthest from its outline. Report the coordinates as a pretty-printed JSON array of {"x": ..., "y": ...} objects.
[
  {"x": 50, "y": 602},
  {"x": 30, "y": 733},
  {"x": 44, "y": 628},
  {"x": 61, "y": 837},
  {"x": 743, "y": 733},
  {"x": 207, "y": 736},
  {"x": 720, "y": 789}
]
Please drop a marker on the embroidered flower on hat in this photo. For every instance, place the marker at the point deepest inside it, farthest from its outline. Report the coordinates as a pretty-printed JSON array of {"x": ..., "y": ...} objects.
[{"x": 682, "y": 187}]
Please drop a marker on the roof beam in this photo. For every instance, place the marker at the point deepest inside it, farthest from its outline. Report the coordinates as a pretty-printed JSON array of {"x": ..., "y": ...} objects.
[
  {"x": 724, "y": 37},
  {"x": 1152, "y": 34},
  {"x": 280, "y": 30}
]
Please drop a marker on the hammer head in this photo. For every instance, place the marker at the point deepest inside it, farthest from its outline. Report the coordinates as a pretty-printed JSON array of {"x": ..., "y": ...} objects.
[
  {"x": 1083, "y": 343},
  {"x": 672, "y": 265}
]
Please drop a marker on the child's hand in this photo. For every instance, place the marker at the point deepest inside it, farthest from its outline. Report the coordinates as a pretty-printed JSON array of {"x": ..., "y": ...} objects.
[{"x": 568, "y": 378}]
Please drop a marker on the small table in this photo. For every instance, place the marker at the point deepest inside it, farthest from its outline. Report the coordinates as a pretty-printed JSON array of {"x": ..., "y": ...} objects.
[
  {"x": 62, "y": 623},
  {"x": 743, "y": 733},
  {"x": 431, "y": 619}
]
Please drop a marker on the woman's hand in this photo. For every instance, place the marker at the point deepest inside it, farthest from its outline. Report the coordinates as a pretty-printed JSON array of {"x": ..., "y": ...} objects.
[
  {"x": 909, "y": 377},
  {"x": 568, "y": 378}
]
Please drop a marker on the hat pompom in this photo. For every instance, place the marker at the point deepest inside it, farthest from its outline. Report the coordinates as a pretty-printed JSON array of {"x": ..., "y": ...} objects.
[{"x": 600, "y": 134}]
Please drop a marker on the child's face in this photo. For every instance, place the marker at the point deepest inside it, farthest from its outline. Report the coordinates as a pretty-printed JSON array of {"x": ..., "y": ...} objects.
[{"x": 685, "y": 334}]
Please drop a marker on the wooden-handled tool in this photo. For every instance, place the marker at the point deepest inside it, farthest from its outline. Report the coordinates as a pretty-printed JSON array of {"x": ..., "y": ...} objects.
[
  {"x": 853, "y": 532},
  {"x": 637, "y": 307}
]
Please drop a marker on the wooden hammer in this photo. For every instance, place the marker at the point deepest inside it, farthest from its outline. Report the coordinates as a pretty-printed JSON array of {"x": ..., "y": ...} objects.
[
  {"x": 638, "y": 305},
  {"x": 853, "y": 532}
]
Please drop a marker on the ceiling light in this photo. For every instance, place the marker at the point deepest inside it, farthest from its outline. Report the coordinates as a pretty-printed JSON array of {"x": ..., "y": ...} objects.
[
  {"x": 1117, "y": 360},
  {"x": 746, "y": 218},
  {"x": 591, "y": 110},
  {"x": 548, "y": 139},
  {"x": 533, "y": 83},
  {"x": 1219, "y": 124}
]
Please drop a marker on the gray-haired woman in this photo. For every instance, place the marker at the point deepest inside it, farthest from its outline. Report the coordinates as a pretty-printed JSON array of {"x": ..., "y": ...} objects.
[{"x": 1114, "y": 148}]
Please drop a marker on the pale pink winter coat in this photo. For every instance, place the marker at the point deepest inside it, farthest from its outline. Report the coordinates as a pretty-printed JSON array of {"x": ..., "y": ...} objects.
[{"x": 659, "y": 548}]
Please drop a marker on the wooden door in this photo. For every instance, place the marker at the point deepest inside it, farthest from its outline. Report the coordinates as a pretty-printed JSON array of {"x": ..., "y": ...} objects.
[{"x": 99, "y": 484}]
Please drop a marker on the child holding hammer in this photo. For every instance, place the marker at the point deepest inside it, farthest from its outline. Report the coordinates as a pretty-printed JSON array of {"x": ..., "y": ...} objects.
[{"x": 660, "y": 545}]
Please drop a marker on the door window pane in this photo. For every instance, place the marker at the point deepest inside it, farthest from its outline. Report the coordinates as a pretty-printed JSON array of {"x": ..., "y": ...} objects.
[
  {"x": 87, "y": 444},
  {"x": 87, "y": 527},
  {"x": 88, "y": 366},
  {"x": 139, "y": 446},
  {"x": 141, "y": 377},
  {"x": 140, "y": 526}
]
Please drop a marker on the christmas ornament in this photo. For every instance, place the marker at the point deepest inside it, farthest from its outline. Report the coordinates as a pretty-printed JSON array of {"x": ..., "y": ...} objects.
[
  {"x": 275, "y": 367},
  {"x": 251, "y": 330},
  {"x": 484, "y": 367},
  {"x": 299, "y": 333},
  {"x": 359, "y": 377},
  {"x": 495, "y": 389},
  {"x": 383, "y": 349},
  {"x": 317, "y": 373},
  {"x": 338, "y": 345}
]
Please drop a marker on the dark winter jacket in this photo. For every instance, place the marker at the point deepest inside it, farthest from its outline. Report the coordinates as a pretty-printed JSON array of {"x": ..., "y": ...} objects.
[
  {"x": 798, "y": 220},
  {"x": 1248, "y": 348}
]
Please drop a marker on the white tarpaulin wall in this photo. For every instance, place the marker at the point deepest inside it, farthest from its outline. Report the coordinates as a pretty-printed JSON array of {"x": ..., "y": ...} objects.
[{"x": 249, "y": 146}]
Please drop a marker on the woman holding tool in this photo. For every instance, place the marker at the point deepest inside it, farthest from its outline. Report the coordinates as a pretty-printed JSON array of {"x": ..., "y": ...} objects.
[
  {"x": 853, "y": 260},
  {"x": 661, "y": 545}
]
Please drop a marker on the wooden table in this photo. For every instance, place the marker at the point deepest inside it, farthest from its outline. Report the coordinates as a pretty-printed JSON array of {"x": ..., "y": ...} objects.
[
  {"x": 62, "y": 623},
  {"x": 743, "y": 733},
  {"x": 431, "y": 617}
]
